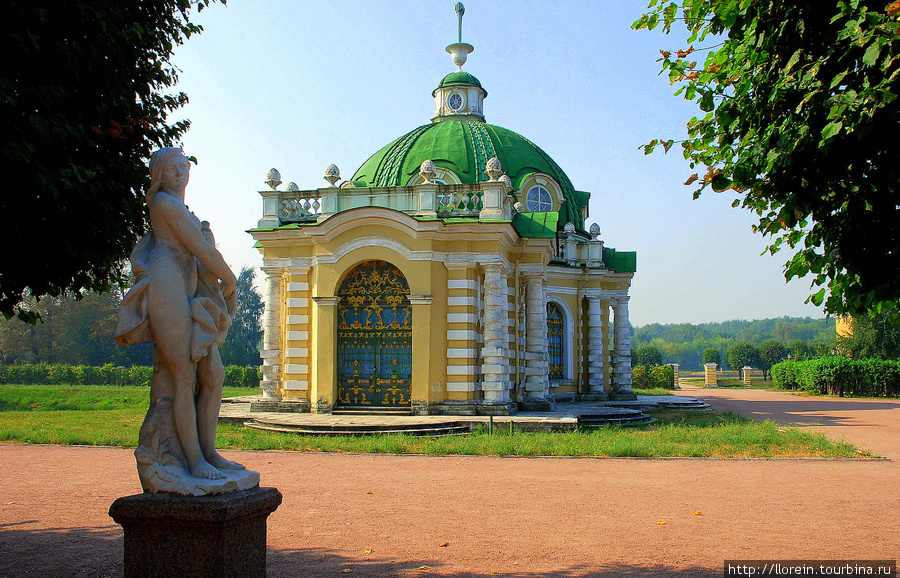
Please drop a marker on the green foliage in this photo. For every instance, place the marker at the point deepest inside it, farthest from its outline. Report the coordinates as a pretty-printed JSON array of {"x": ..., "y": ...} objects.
[
  {"x": 648, "y": 355},
  {"x": 799, "y": 117},
  {"x": 684, "y": 343},
  {"x": 770, "y": 353},
  {"x": 84, "y": 101},
  {"x": 653, "y": 376},
  {"x": 244, "y": 339},
  {"x": 838, "y": 375},
  {"x": 109, "y": 374},
  {"x": 877, "y": 337},
  {"x": 799, "y": 350},
  {"x": 742, "y": 354},
  {"x": 711, "y": 355}
]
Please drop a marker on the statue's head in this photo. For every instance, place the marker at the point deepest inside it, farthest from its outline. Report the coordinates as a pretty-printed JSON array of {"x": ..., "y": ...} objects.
[{"x": 159, "y": 162}]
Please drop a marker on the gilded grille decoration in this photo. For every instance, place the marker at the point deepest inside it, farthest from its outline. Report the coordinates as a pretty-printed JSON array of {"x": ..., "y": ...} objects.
[
  {"x": 374, "y": 337},
  {"x": 555, "y": 328}
]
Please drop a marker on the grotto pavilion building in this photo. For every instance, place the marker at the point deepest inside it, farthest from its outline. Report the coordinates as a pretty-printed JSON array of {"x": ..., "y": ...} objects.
[{"x": 451, "y": 274}]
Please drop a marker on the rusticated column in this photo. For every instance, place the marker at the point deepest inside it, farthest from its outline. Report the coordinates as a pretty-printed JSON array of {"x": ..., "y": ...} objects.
[
  {"x": 537, "y": 358},
  {"x": 596, "y": 351},
  {"x": 271, "y": 353},
  {"x": 494, "y": 353},
  {"x": 623, "y": 347}
]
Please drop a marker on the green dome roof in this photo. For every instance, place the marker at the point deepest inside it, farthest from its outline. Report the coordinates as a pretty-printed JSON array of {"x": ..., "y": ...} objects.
[
  {"x": 460, "y": 78},
  {"x": 464, "y": 147}
]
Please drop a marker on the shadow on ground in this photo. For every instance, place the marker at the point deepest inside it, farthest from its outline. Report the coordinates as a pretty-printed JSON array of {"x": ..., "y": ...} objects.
[
  {"x": 801, "y": 411},
  {"x": 93, "y": 552},
  {"x": 315, "y": 563},
  {"x": 97, "y": 553}
]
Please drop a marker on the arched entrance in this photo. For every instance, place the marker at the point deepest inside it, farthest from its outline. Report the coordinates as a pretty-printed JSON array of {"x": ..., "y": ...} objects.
[{"x": 374, "y": 349}]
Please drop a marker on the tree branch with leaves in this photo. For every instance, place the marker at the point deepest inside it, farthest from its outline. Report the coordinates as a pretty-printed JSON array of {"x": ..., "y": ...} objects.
[{"x": 799, "y": 119}]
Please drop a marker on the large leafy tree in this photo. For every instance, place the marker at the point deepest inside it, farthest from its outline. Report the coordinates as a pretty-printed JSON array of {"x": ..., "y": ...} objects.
[
  {"x": 771, "y": 351},
  {"x": 742, "y": 354},
  {"x": 799, "y": 117},
  {"x": 84, "y": 99},
  {"x": 244, "y": 339},
  {"x": 877, "y": 337},
  {"x": 648, "y": 355}
]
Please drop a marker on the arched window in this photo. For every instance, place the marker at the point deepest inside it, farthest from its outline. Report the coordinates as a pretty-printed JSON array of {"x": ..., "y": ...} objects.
[
  {"x": 556, "y": 326},
  {"x": 538, "y": 200}
]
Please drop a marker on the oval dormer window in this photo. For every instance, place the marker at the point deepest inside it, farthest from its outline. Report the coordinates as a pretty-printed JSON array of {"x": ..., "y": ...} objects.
[
  {"x": 539, "y": 200},
  {"x": 455, "y": 102}
]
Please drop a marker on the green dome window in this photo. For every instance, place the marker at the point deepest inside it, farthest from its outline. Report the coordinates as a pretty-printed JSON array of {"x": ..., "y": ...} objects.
[
  {"x": 455, "y": 101},
  {"x": 538, "y": 200}
]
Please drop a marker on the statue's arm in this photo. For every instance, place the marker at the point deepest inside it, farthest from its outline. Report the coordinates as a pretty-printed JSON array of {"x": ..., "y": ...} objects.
[{"x": 174, "y": 216}]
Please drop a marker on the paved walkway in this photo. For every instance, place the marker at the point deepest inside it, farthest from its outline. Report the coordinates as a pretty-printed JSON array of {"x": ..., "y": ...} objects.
[
  {"x": 383, "y": 515},
  {"x": 870, "y": 423}
]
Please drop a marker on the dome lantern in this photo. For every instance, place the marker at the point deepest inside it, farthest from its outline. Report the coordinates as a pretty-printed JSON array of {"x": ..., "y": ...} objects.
[{"x": 459, "y": 96}]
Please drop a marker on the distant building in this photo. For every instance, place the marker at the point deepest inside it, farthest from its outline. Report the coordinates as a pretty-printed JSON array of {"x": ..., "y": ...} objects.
[{"x": 451, "y": 274}]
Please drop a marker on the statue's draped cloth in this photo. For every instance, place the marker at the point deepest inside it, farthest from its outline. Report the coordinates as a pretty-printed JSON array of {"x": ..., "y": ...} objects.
[{"x": 209, "y": 311}]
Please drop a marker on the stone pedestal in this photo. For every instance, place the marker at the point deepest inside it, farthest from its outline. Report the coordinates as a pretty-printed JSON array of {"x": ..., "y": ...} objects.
[{"x": 182, "y": 536}]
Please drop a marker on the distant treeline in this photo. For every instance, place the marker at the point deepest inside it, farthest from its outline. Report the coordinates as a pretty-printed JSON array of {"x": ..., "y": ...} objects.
[{"x": 684, "y": 343}]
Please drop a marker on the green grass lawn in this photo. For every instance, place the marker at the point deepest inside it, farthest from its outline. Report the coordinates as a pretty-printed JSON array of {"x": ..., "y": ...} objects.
[{"x": 97, "y": 415}]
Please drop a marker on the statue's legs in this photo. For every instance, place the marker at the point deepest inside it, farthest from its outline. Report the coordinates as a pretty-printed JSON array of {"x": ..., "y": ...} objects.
[{"x": 210, "y": 378}]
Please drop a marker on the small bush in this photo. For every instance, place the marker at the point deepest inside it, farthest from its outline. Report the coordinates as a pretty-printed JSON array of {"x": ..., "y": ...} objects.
[
  {"x": 838, "y": 375},
  {"x": 652, "y": 376},
  {"x": 109, "y": 374}
]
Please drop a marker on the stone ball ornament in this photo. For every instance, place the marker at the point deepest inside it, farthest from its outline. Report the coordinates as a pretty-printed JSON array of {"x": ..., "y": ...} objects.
[
  {"x": 292, "y": 188},
  {"x": 493, "y": 168},
  {"x": 569, "y": 229},
  {"x": 332, "y": 174},
  {"x": 507, "y": 182},
  {"x": 594, "y": 231},
  {"x": 273, "y": 179},
  {"x": 427, "y": 170}
]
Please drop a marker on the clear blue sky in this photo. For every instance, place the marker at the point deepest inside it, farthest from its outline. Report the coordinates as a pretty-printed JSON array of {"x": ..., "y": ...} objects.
[{"x": 299, "y": 85}]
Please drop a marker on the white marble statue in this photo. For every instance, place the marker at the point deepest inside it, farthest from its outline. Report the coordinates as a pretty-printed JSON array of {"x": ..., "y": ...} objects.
[{"x": 183, "y": 301}]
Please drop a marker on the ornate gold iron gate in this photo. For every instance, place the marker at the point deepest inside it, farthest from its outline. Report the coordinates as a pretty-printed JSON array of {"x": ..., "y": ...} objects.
[{"x": 374, "y": 354}]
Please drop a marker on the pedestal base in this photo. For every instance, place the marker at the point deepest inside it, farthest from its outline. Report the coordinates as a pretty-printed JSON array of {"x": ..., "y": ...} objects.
[{"x": 184, "y": 536}]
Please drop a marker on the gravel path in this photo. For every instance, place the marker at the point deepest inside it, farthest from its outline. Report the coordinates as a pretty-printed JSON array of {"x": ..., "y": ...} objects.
[{"x": 482, "y": 516}]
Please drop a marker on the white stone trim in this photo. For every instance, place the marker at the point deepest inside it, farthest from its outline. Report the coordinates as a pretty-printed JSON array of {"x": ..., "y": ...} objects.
[
  {"x": 298, "y": 286},
  {"x": 462, "y": 370},
  {"x": 297, "y": 335},
  {"x": 296, "y": 368},
  {"x": 297, "y": 302},
  {"x": 295, "y": 352},
  {"x": 461, "y": 386},
  {"x": 460, "y": 353},
  {"x": 462, "y": 318},
  {"x": 297, "y": 319},
  {"x": 562, "y": 290},
  {"x": 468, "y": 301},
  {"x": 461, "y": 335},
  {"x": 296, "y": 384},
  {"x": 462, "y": 284}
]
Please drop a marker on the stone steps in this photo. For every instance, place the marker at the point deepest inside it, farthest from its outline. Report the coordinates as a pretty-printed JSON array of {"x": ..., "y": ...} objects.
[
  {"x": 423, "y": 429},
  {"x": 369, "y": 411},
  {"x": 613, "y": 416}
]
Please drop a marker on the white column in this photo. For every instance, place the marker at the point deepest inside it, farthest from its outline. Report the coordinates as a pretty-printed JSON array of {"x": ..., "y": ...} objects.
[
  {"x": 272, "y": 339},
  {"x": 596, "y": 351},
  {"x": 537, "y": 356},
  {"x": 623, "y": 346},
  {"x": 494, "y": 353}
]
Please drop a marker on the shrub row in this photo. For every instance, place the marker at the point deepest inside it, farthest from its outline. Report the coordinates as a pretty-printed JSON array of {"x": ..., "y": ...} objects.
[
  {"x": 109, "y": 374},
  {"x": 650, "y": 376},
  {"x": 836, "y": 375}
]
